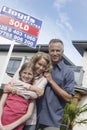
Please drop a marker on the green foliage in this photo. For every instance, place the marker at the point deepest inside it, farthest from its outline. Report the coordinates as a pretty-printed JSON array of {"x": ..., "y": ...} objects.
[{"x": 71, "y": 112}]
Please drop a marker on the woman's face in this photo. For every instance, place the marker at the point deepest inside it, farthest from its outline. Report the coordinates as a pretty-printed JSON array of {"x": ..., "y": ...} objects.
[
  {"x": 26, "y": 75},
  {"x": 40, "y": 66}
]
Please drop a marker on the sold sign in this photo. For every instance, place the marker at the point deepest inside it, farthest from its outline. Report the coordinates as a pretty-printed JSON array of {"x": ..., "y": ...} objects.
[{"x": 13, "y": 23}]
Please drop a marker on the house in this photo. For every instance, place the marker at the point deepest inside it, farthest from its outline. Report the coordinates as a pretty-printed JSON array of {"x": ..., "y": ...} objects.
[
  {"x": 21, "y": 53},
  {"x": 81, "y": 47}
]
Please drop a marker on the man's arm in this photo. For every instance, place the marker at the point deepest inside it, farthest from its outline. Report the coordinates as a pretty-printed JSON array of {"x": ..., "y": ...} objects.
[{"x": 64, "y": 94}]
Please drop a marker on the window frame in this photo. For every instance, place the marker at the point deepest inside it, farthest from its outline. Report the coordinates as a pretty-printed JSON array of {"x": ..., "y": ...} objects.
[{"x": 11, "y": 70}]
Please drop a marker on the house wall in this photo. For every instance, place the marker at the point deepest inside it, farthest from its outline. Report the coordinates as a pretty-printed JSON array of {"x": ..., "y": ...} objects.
[
  {"x": 85, "y": 69},
  {"x": 2, "y": 60},
  {"x": 3, "y": 57},
  {"x": 83, "y": 101}
]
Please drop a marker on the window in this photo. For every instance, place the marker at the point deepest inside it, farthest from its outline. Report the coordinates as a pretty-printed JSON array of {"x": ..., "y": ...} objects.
[
  {"x": 78, "y": 73},
  {"x": 13, "y": 65}
]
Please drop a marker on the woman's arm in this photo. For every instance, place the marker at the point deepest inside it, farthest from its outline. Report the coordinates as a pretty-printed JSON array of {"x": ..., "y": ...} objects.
[
  {"x": 41, "y": 84},
  {"x": 7, "y": 88},
  {"x": 23, "y": 119},
  {"x": 33, "y": 91}
]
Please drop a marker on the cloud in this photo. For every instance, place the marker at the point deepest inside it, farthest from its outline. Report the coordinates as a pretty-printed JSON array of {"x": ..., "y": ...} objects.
[
  {"x": 60, "y": 3},
  {"x": 64, "y": 19},
  {"x": 49, "y": 30}
]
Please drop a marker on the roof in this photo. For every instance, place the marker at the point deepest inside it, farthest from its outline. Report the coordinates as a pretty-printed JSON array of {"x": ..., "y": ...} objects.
[
  {"x": 82, "y": 90},
  {"x": 81, "y": 46},
  {"x": 24, "y": 48}
]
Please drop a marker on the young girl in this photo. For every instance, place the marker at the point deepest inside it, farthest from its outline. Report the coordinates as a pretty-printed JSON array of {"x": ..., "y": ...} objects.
[{"x": 13, "y": 107}]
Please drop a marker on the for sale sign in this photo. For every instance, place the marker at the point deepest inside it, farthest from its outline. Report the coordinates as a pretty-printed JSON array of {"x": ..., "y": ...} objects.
[{"x": 19, "y": 26}]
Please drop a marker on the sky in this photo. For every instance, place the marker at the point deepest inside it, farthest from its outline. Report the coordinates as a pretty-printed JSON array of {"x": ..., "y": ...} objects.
[{"x": 63, "y": 19}]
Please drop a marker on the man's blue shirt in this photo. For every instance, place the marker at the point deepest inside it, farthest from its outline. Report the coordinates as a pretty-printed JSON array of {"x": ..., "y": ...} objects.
[{"x": 51, "y": 106}]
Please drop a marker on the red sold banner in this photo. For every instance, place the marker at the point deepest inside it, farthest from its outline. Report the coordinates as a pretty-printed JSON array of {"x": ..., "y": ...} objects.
[{"x": 11, "y": 22}]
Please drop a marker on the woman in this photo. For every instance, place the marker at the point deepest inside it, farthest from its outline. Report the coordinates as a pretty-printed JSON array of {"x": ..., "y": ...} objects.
[{"x": 41, "y": 63}]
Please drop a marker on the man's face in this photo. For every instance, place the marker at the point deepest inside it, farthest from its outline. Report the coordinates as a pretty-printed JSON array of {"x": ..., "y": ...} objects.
[{"x": 55, "y": 51}]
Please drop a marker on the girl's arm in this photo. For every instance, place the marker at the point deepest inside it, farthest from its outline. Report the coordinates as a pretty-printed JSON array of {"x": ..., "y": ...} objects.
[
  {"x": 2, "y": 103},
  {"x": 23, "y": 119}
]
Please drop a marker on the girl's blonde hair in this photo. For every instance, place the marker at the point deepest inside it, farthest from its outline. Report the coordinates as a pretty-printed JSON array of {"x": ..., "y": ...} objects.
[{"x": 40, "y": 55}]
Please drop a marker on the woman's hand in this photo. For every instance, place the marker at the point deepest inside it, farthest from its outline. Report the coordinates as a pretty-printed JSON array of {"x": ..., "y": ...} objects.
[
  {"x": 8, "y": 88},
  {"x": 38, "y": 91},
  {"x": 48, "y": 76}
]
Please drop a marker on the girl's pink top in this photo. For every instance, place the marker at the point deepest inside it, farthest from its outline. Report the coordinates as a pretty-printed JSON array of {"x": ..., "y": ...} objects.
[{"x": 15, "y": 107}]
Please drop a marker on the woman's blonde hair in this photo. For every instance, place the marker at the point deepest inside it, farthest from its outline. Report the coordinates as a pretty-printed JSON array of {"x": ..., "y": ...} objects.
[{"x": 40, "y": 55}]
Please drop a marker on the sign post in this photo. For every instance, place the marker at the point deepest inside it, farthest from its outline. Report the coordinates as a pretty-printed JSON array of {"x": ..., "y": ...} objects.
[{"x": 7, "y": 60}]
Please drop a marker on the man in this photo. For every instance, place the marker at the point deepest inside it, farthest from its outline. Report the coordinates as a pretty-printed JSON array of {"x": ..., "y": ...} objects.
[{"x": 58, "y": 92}]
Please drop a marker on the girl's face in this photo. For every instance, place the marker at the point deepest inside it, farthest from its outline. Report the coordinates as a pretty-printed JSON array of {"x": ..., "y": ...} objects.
[
  {"x": 26, "y": 75},
  {"x": 40, "y": 66}
]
